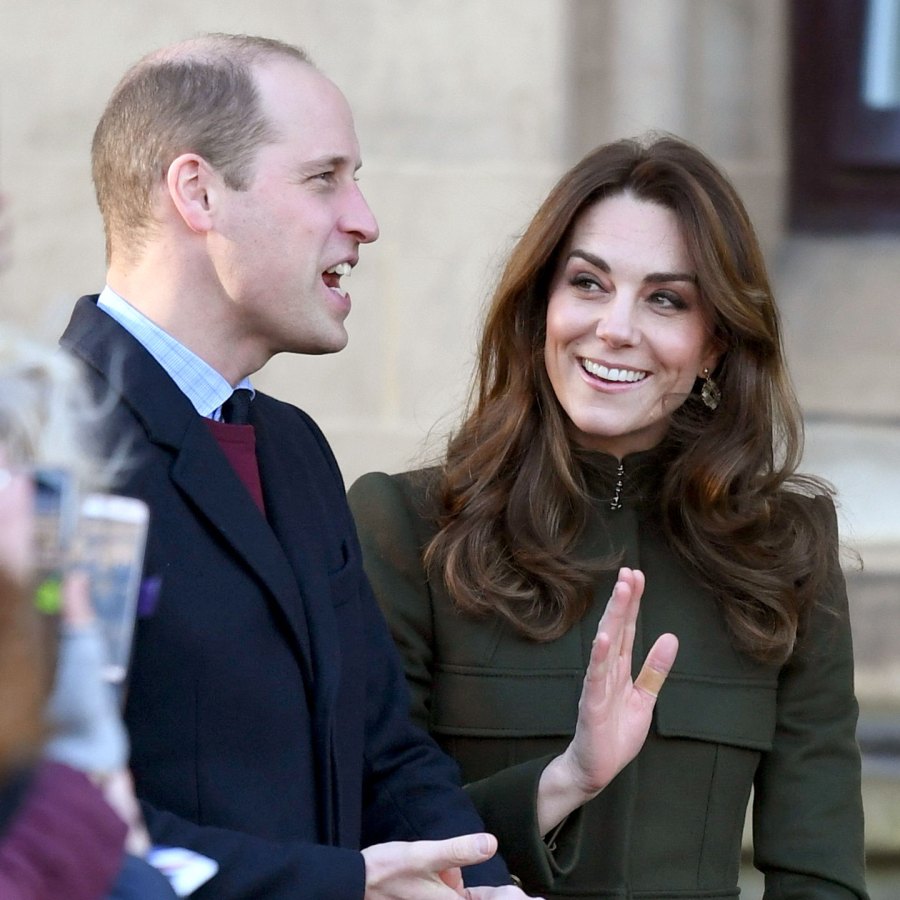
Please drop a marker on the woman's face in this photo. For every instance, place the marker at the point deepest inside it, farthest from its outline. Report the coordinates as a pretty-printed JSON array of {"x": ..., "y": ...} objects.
[{"x": 626, "y": 336}]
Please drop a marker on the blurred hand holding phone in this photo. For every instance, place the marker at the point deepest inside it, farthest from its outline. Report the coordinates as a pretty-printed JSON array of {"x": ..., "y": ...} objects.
[
  {"x": 108, "y": 546},
  {"x": 103, "y": 537}
]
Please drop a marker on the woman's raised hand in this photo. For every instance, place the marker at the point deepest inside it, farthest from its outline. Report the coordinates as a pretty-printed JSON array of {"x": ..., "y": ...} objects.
[{"x": 614, "y": 712}]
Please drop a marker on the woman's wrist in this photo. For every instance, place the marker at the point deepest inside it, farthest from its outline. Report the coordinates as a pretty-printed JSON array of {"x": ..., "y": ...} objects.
[{"x": 560, "y": 792}]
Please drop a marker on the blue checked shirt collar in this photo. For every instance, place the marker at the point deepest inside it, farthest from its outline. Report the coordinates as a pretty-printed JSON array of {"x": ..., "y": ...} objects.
[{"x": 198, "y": 381}]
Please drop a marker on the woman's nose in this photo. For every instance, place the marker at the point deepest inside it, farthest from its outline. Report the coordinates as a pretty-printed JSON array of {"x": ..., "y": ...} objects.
[{"x": 617, "y": 325}]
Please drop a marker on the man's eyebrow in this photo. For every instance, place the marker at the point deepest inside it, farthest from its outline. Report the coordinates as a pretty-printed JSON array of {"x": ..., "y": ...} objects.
[
  {"x": 332, "y": 162},
  {"x": 653, "y": 278}
]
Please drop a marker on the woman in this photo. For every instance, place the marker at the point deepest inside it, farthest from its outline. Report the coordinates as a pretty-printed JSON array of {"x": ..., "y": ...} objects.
[
  {"x": 60, "y": 834},
  {"x": 632, "y": 408}
]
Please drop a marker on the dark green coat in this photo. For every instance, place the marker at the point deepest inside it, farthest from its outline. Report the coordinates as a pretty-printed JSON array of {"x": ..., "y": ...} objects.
[{"x": 670, "y": 825}]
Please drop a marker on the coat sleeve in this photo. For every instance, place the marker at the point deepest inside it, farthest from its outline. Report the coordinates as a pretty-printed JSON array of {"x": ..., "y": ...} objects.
[
  {"x": 807, "y": 813},
  {"x": 412, "y": 789},
  {"x": 251, "y": 866},
  {"x": 393, "y": 535}
]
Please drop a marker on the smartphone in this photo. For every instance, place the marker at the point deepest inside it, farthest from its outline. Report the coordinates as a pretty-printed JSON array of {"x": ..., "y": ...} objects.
[
  {"x": 55, "y": 518},
  {"x": 109, "y": 546}
]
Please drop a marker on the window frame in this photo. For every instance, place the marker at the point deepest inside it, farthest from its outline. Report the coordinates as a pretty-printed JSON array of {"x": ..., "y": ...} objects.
[{"x": 845, "y": 155}]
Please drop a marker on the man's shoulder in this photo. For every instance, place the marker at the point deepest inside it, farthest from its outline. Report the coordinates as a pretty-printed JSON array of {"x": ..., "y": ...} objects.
[
  {"x": 100, "y": 342},
  {"x": 290, "y": 431},
  {"x": 281, "y": 415}
]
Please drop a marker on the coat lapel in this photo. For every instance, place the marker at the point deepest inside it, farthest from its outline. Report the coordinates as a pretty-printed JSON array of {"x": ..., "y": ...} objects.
[
  {"x": 206, "y": 477},
  {"x": 200, "y": 470},
  {"x": 300, "y": 528}
]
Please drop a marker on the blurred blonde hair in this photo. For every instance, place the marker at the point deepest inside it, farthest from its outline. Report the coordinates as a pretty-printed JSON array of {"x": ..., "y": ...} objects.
[{"x": 47, "y": 415}]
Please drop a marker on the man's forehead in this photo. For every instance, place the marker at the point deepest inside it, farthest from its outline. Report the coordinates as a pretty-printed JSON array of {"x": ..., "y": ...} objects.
[
  {"x": 305, "y": 108},
  {"x": 281, "y": 79}
]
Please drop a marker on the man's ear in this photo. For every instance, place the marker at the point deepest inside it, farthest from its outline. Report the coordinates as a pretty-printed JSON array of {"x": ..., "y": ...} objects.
[{"x": 192, "y": 184}]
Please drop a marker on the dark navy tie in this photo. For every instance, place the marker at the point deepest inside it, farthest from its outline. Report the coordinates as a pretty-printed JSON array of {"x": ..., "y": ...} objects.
[{"x": 236, "y": 409}]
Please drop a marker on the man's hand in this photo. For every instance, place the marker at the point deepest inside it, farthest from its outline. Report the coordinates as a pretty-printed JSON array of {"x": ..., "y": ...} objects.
[
  {"x": 430, "y": 870},
  {"x": 613, "y": 713}
]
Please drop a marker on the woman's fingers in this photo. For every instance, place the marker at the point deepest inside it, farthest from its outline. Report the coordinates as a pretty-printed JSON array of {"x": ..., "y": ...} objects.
[
  {"x": 620, "y": 617},
  {"x": 657, "y": 666}
]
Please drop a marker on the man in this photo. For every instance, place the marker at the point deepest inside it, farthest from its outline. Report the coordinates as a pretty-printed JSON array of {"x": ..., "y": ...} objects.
[{"x": 266, "y": 707}]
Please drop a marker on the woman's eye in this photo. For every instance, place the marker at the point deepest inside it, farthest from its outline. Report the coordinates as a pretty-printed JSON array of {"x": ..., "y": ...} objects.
[
  {"x": 667, "y": 300},
  {"x": 585, "y": 283}
]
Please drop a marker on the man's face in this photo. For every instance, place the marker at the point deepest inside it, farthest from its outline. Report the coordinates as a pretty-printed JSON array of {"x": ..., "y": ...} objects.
[{"x": 280, "y": 246}]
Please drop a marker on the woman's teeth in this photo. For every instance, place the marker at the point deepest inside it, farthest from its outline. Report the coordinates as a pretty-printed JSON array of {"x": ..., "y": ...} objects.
[{"x": 601, "y": 371}]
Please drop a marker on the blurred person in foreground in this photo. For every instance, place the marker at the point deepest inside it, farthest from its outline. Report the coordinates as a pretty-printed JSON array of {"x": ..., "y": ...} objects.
[
  {"x": 69, "y": 823},
  {"x": 266, "y": 707},
  {"x": 632, "y": 421}
]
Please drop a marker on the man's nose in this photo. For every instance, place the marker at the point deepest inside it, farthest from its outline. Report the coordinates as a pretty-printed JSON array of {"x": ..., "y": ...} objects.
[{"x": 358, "y": 218}]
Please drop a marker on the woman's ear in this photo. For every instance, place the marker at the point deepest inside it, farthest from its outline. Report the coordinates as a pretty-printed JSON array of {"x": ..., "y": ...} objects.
[
  {"x": 191, "y": 185},
  {"x": 715, "y": 351}
]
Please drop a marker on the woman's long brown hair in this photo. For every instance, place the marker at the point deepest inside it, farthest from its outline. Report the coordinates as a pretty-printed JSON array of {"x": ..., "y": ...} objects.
[{"x": 512, "y": 497}]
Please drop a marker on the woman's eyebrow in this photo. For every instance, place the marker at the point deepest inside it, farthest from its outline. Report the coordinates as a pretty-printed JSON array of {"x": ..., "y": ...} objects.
[
  {"x": 659, "y": 277},
  {"x": 596, "y": 261},
  {"x": 653, "y": 278}
]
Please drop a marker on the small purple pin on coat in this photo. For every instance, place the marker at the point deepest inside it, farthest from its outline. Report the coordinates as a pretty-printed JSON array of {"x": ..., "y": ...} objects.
[{"x": 148, "y": 596}]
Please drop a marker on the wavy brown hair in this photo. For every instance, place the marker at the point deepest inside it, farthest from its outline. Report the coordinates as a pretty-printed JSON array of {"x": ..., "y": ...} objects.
[{"x": 512, "y": 496}]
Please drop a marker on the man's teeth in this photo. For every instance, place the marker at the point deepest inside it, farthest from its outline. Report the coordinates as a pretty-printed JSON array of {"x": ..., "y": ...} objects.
[
  {"x": 606, "y": 374},
  {"x": 341, "y": 269}
]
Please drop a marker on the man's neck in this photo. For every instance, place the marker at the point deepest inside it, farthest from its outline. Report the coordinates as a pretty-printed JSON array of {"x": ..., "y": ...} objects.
[{"x": 190, "y": 313}]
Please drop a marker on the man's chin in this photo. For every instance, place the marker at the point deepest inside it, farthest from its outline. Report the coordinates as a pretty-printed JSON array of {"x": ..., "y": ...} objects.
[{"x": 321, "y": 345}]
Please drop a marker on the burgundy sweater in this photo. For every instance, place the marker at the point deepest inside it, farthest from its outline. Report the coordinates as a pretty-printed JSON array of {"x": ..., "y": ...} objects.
[{"x": 238, "y": 443}]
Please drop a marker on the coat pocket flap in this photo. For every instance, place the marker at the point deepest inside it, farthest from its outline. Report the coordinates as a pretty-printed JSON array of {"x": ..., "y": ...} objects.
[
  {"x": 736, "y": 712},
  {"x": 491, "y": 702}
]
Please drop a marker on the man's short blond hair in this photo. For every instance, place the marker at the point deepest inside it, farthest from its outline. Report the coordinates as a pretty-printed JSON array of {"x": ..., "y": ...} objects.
[{"x": 198, "y": 96}]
